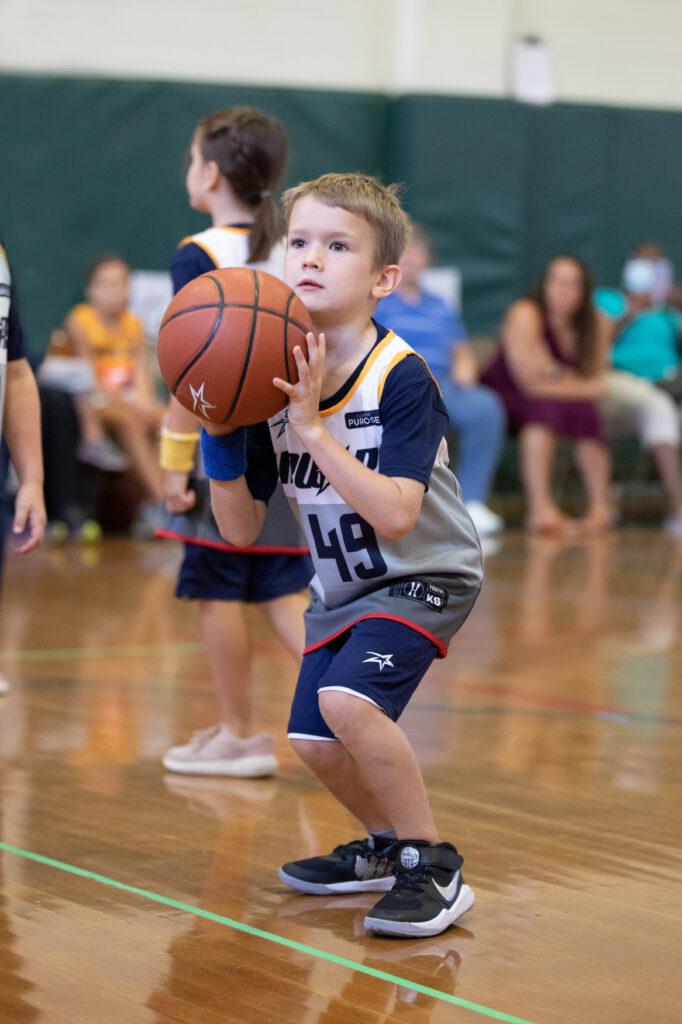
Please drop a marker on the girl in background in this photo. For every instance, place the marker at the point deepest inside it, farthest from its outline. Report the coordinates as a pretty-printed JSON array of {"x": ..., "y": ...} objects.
[{"x": 237, "y": 158}]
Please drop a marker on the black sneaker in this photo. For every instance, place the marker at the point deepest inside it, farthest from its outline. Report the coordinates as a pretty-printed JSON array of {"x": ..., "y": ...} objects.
[
  {"x": 428, "y": 895},
  {"x": 360, "y": 866}
]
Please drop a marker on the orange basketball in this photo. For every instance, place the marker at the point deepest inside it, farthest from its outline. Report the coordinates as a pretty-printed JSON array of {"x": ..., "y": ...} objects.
[{"x": 224, "y": 337}]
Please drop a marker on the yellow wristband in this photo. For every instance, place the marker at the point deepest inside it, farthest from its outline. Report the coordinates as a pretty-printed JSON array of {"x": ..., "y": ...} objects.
[{"x": 177, "y": 451}]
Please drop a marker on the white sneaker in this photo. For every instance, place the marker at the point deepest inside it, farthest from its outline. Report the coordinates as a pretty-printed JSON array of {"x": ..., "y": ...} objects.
[
  {"x": 673, "y": 526},
  {"x": 484, "y": 519},
  {"x": 217, "y": 751}
]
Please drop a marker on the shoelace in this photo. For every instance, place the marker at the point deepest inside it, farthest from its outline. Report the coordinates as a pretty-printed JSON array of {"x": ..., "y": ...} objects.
[
  {"x": 205, "y": 734},
  {"x": 359, "y": 847},
  {"x": 412, "y": 879}
]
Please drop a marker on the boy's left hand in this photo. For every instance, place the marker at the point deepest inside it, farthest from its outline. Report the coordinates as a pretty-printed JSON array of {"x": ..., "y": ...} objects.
[
  {"x": 304, "y": 397},
  {"x": 29, "y": 511}
]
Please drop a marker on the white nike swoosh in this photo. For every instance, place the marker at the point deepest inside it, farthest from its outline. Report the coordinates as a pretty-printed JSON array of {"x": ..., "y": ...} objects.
[{"x": 448, "y": 893}]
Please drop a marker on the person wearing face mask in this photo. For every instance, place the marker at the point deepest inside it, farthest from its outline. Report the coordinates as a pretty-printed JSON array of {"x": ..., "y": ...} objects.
[{"x": 644, "y": 385}]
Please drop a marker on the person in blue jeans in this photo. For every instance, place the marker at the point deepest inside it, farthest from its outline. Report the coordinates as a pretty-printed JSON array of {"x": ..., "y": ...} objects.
[{"x": 476, "y": 413}]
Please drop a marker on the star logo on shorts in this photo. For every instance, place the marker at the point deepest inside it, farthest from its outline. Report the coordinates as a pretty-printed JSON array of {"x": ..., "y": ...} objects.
[
  {"x": 382, "y": 660},
  {"x": 199, "y": 399}
]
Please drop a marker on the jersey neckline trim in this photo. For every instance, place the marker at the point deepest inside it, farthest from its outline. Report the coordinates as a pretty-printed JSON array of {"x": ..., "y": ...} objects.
[{"x": 347, "y": 390}]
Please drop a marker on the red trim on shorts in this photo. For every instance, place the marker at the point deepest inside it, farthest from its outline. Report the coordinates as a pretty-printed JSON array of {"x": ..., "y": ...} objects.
[
  {"x": 439, "y": 644},
  {"x": 265, "y": 549}
]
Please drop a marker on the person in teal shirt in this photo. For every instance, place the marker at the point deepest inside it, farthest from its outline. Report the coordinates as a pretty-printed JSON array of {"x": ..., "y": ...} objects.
[
  {"x": 644, "y": 385},
  {"x": 646, "y": 315}
]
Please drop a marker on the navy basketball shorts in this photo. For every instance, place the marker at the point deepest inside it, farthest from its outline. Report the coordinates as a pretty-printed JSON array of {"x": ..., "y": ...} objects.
[
  {"x": 377, "y": 660},
  {"x": 209, "y": 574}
]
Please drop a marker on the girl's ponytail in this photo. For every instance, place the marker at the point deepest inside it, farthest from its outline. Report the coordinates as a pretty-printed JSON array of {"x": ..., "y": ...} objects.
[
  {"x": 267, "y": 228},
  {"x": 250, "y": 149}
]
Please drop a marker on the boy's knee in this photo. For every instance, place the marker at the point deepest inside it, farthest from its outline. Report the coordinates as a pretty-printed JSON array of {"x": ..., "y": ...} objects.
[
  {"x": 343, "y": 712},
  {"x": 316, "y": 752}
]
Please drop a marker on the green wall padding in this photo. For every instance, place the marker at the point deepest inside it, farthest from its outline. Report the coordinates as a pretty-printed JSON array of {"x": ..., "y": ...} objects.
[
  {"x": 92, "y": 165},
  {"x": 88, "y": 165}
]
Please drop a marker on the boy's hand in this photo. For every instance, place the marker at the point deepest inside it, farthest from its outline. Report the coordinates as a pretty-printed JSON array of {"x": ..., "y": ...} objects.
[
  {"x": 217, "y": 429},
  {"x": 176, "y": 493},
  {"x": 304, "y": 397},
  {"x": 29, "y": 511}
]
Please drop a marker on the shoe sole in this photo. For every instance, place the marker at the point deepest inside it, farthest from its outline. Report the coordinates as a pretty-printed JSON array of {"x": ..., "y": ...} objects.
[
  {"x": 338, "y": 888},
  {"x": 242, "y": 767},
  {"x": 417, "y": 929}
]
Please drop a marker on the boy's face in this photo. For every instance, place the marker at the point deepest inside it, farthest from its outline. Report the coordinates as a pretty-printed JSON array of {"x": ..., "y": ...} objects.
[{"x": 330, "y": 264}]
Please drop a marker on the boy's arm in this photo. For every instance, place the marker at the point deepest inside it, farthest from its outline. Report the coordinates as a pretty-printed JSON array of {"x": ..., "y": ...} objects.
[
  {"x": 238, "y": 514},
  {"x": 239, "y": 492},
  {"x": 22, "y": 432},
  {"x": 390, "y": 504}
]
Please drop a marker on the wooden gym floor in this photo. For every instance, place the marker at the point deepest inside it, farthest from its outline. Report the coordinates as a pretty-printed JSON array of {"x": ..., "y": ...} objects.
[{"x": 550, "y": 741}]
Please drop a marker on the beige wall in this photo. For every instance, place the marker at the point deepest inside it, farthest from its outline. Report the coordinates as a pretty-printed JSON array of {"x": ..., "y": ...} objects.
[{"x": 612, "y": 51}]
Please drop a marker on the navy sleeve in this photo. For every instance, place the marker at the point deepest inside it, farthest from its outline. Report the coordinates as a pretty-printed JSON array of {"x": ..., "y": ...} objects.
[
  {"x": 414, "y": 421},
  {"x": 189, "y": 261},
  {"x": 261, "y": 468}
]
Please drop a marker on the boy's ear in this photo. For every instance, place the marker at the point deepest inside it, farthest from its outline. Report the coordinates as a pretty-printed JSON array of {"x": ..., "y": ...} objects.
[{"x": 387, "y": 281}]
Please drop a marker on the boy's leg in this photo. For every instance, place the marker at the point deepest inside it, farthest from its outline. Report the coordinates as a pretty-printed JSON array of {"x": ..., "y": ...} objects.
[
  {"x": 428, "y": 894},
  {"x": 383, "y": 754},
  {"x": 338, "y": 772}
]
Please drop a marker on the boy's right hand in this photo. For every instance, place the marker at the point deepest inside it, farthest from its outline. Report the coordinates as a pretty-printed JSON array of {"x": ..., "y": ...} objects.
[{"x": 176, "y": 493}]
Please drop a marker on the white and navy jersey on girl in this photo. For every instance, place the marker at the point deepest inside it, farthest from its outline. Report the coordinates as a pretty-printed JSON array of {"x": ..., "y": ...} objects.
[
  {"x": 390, "y": 415},
  {"x": 281, "y": 534}
]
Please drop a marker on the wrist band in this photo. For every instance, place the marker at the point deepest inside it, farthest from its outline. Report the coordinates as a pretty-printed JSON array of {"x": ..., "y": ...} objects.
[
  {"x": 224, "y": 454},
  {"x": 177, "y": 451}
]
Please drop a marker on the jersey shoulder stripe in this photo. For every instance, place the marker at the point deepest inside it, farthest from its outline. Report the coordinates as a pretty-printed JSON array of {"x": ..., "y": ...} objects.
[
  {"x": 398, "y": 358},
  {"x": 375, "y": 355}
]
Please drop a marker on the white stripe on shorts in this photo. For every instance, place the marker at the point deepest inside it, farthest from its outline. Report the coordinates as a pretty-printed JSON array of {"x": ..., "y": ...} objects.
[
  {"x": 305, "y": 736},
  {"x": 354, "y": 693}
]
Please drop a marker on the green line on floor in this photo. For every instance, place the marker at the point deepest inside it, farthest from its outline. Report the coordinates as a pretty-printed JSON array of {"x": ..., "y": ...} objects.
[{"x": 340, "y": 961}]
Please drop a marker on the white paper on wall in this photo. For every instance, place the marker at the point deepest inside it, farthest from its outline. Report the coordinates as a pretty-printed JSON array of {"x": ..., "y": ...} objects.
[{"x": 531, "y": 71}]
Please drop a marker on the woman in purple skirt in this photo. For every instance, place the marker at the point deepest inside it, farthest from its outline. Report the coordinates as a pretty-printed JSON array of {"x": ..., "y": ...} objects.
[{"x": 549, "y": 372}]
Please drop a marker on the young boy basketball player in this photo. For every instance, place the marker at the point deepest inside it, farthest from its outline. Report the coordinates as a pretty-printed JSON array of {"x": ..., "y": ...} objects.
[{"x": 360, "y": 452}]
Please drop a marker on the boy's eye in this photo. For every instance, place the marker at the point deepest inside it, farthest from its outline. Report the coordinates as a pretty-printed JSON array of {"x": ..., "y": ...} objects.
[
  {"x": 296, "y": 243},
  {"x": 338, "y": 246}
]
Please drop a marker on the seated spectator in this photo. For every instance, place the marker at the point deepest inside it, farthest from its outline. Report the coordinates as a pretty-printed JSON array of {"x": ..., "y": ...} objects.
[
  {"x": 550, "y": 373},
  {"x": 426, "y": 323},
  {"x": 61, "y": 370},
  {"x": 647, "y": 320},
  {"x": 105, "y": 332},
  {"x": 645, "y": 382}
]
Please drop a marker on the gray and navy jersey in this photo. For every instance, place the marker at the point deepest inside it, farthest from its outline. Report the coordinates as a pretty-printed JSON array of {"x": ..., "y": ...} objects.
[
  {"x": 391, "y": 417},
  {"x": 281, "y": 534}
]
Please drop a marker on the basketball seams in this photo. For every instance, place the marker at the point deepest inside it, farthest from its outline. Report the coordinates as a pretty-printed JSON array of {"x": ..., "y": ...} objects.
[
  {"x": 265, "y": 332},
  {"x": 249, "y": 348},
  {"x": 220, "y": 307},
  {"x": 233, "y": 305},
  {"x": 287, "y": 321}
]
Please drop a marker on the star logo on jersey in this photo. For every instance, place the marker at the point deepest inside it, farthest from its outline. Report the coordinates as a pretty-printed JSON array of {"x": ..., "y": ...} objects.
[
  {"x": 382, "y": 660},
  {"x": 199, "y": 400}
]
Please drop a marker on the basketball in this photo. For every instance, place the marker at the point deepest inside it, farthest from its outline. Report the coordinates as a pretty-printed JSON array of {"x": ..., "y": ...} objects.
[{"x": 223, "y": 338}]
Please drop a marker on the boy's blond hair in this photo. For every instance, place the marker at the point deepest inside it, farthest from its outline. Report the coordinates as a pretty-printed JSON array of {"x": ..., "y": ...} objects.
[{"x": 367, "y": 197}]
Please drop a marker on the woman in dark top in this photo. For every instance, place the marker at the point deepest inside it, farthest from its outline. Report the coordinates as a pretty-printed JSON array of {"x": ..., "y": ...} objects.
[{"x": 549, "y": 373}]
